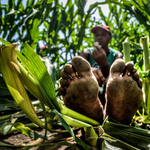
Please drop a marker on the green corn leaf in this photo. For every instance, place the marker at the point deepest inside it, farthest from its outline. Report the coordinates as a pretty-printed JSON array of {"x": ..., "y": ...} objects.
[
  {"x": 69, "y": 112},
  {"x": 110, "y": 143},
  {"x": 30, "y": 83},
  {"x": 134, "y": 136},
  {"x": 67, "y": 127},
  {"x": 5, "y": 42},
  {"x": 27, "y": 131},
  {"x": 74, "y": 122},
  {"x": 11, "y": 74},
  {"x": 91, "y": 136},
  {"x": 146, "y": 119},
  {"x": 34, "y": 32},
  {"x": 6, "y": 105},
  {"x": 9, "y": 145},
  {"x": 38, "y": 71}
]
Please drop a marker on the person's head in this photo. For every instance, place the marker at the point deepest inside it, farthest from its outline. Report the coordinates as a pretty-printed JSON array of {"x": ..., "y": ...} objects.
[{"x": 102, "y": 35}]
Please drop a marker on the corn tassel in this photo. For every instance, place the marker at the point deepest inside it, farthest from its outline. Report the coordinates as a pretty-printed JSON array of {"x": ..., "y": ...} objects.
[{"x": 11, "y": 74}]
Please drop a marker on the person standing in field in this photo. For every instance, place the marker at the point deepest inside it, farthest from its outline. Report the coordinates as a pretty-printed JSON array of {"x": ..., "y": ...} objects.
[{"x": 101, "y": 56}]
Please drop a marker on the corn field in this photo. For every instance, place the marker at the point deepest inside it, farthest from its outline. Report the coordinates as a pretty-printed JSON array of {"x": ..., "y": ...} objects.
[{"x": 30, "y": 73}]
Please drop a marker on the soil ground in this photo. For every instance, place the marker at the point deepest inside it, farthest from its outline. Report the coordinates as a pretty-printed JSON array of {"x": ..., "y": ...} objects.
[{"x": 18, "y": 138}]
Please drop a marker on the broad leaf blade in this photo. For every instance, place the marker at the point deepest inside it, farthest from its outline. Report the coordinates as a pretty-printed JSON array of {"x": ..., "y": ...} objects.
[
  {"x": 11, "y": 75},
  {"x": 5, "y": 42},
  {"x": 39, "y": 72},
  {"x": 110, "y": 143},
  {"x": 132, "y": 135},
  {"x": 67, "y": 127}
]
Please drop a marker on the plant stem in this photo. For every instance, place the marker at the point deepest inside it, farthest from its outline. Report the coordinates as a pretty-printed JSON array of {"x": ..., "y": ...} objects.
[
  {"x": 146, "y": 88},
  {"x": 144, "y": 45},
  {"x": 126, "y": 48}
]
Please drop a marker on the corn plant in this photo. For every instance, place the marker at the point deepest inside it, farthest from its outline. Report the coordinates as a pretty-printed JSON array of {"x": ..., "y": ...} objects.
[
  {"x": 126, "y": 50},
  {"x": 144, "y": 74}
]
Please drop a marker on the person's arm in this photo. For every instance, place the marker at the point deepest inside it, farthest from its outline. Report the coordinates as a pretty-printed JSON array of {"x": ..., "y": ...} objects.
[
  {"x": 99, "y": 55},
  {"x": 97, "y": 73},
  {"x": 105, "y": 66}
]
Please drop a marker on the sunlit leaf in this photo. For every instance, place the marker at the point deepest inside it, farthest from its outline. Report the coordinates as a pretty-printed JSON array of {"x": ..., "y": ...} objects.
[{"x": 132, "y": 135}]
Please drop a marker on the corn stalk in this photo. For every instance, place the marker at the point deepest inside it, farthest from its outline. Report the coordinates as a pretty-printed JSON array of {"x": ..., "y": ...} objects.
[
  {"x": 146, "y": 74},
  {"x": 126, "y": 50}
]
